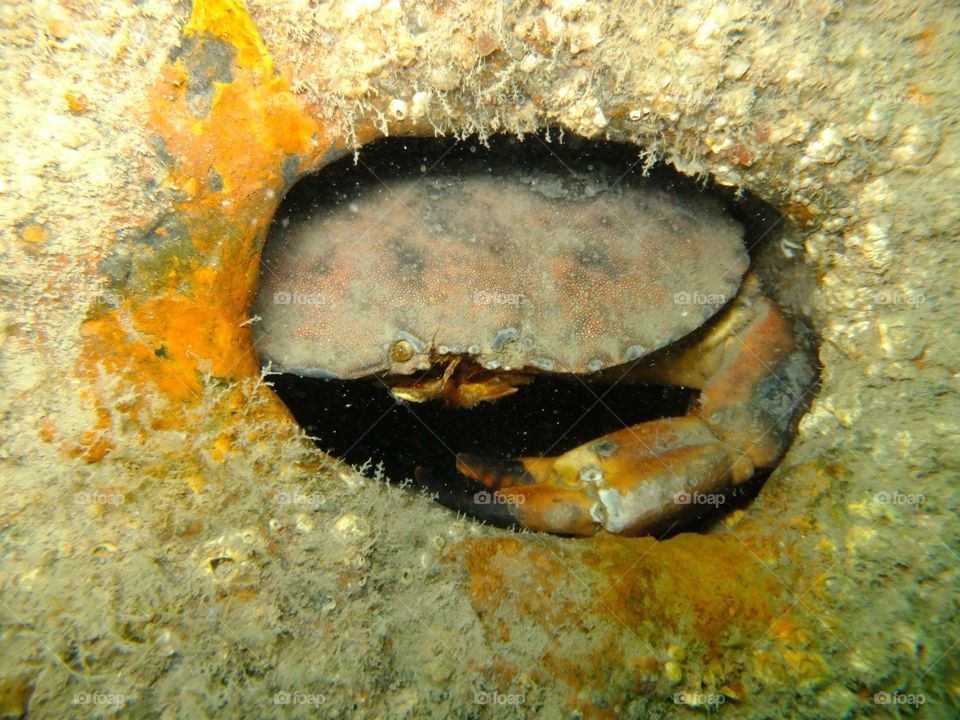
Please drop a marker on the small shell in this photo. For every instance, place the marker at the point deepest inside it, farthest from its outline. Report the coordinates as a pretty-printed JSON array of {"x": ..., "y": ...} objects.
[{"x": 397, "y": 109}]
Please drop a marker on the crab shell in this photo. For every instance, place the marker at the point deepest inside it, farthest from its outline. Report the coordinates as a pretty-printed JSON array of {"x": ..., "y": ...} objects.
[{"x": 561, "y": 273}]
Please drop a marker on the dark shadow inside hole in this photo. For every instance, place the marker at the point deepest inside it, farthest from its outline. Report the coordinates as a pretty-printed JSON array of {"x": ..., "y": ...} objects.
[{"x": 359, "y": 422}]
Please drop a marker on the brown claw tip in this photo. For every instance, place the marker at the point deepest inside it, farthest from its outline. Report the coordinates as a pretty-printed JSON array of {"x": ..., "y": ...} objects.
[{"x": 493, "y": 472}]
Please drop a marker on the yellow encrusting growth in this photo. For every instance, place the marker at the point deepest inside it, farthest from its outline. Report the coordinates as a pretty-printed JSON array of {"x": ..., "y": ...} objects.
[
  {"x": 231, "y": 21},
  {"x": 186, "y": 316}
]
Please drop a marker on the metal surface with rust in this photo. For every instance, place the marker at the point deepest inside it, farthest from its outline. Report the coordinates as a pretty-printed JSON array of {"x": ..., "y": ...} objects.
[{"x": 172, "y": 543}]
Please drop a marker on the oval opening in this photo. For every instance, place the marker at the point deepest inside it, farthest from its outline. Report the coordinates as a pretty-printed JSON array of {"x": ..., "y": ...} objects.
[{"x": 359, "y": 420}]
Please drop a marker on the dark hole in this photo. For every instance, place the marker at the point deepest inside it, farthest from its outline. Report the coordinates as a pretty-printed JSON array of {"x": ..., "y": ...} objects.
[{"x": 359, "y": 421}]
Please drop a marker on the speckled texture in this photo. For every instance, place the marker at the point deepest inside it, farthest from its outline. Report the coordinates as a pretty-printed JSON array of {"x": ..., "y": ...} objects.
[
  {"x": 517, "y": 271},
  {"x": 205, "y": 563}
]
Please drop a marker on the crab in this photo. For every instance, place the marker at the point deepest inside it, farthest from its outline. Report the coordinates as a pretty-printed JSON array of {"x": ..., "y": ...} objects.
[{"x": 464, "y": 287}]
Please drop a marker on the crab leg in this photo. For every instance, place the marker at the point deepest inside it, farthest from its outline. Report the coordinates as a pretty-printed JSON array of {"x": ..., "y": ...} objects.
[{"x": 752, "y": 375}]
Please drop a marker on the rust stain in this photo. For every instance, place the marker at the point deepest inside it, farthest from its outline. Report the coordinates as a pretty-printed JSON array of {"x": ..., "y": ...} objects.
[
  {"x": 77, "y": 102},
  {"x": 699, "y": 585},
  {"x": 33, "y": 234},
  {"x": 800, "y": 213},
  {"x": 925, "y": 40},
  {"x": 703, "y": 591},
  {"x": 915, "y": 96},
  {"x": 187, "y": 315},
  {"x": 739, "y": 154}
]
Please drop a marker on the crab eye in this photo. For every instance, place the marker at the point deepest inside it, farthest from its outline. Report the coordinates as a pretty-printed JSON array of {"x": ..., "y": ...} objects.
[{"x": 401, "y": 351}]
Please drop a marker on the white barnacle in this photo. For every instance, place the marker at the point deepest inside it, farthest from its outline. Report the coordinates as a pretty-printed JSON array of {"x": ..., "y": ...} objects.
[
  {"x": 419, "y": 105},
  {"x": 397, "y": 109}
]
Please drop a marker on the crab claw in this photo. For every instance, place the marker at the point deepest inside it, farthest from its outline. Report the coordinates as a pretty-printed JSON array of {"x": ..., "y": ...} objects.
[
  {"x": 629, "y": 482},
  {"x": 753, "y": 375},
  {"x": 540, "y": 506}
]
